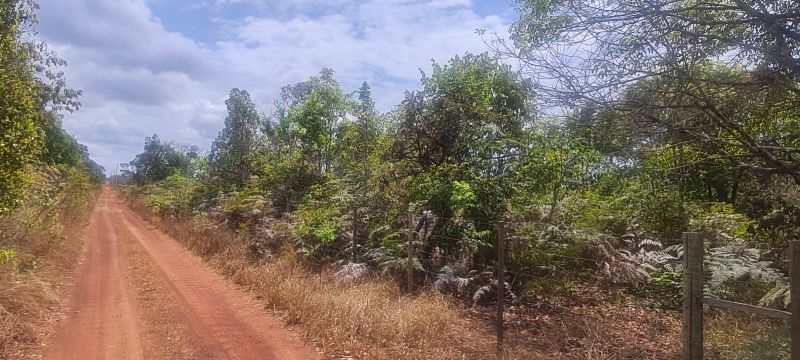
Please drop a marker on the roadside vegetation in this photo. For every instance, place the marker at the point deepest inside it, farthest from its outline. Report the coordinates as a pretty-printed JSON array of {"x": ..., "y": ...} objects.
[
  {"x": 47, "y": 183},
  {"x": 672, "y": 122}
]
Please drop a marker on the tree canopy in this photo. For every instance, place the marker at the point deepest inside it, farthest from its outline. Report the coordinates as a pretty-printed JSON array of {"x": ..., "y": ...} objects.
[{"x": 34, "y": 92}]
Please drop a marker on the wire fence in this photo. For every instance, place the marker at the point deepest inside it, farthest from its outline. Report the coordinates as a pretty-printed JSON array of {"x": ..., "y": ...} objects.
[{"x": 693, "y": 300}]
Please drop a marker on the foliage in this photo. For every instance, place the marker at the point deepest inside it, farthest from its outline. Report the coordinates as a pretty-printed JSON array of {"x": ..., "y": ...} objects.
[
  {"x": 672, "y": 69},
  {"x": 232, "y": 156},
  {"x": 245, "y": 208},
  {"x": 651, "y": 120},
  {"x": 34, "y": 91},
  {"x": 721, "y": 223},
  {"x": 21, "y": 137},
  {"x": 320, "y": 218},
  {"x": 39, "y": 247},
  {"x": 730, "y": 264},
  {"x": 8, "y": 256},
  {"x": 171, "y": 196},
  {"x": 158, "y": 161},
  {"x": 778, "y": 297},
  {"x": 456, "y": 139}
]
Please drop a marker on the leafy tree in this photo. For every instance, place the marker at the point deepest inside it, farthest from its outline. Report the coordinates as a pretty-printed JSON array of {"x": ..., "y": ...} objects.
[
  {"x": 652, "y": 61},
  {"x": 315, "y": 120},
  {"x": 555, "y": 164},
  {"x": 233, "y": 154},
  {"x": 34, "y": 91},
  {"x": 21, "y": 138},
  {"x": 158, "y": 161},
  {"x": 459, "y": 137},
  {"x": 357, "y": 140},
  {"x": 307, "y": 138}
]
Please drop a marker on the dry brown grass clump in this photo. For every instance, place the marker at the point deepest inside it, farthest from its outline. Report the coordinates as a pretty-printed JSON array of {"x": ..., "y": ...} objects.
[
  {"x": 370, "y": 319},
  {"x": 726, "y": 333}
]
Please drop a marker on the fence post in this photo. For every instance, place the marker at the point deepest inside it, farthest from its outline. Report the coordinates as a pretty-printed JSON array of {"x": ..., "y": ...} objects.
[
  {"x": 692, "y": 296},
  {"x": 354, "y": 236},
  {"x": 794, "y": 293},
  {"x": 410, "y": 246},
  {"x": 501, "y": 284}
]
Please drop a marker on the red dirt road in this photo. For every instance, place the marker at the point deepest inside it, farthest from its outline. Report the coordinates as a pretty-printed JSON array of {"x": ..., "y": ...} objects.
[{"x": 140, "y": 295}]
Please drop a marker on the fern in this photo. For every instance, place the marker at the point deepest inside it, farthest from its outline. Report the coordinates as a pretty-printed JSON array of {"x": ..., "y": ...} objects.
[
  {"x": 395, "y": 264},
  {"x": 630, "y": 266},
  {"x": 736, "y": 263},
  {"x": 350, "y": 272},
  {"x": 486, "y": 293},
  {"x": 778, "y": 297},
  {"x": 447, "y": 282}
]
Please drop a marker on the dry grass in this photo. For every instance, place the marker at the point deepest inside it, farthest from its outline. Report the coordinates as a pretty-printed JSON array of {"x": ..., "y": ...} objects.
[
  {"x": 373, "y": 320},
  {"x": 727, "y": 333},
  {"x": 47, "y": 244},
  {"x": 370, "y": 319}
]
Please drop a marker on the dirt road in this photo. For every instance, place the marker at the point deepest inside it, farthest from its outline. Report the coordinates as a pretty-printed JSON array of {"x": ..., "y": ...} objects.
[{"x": 140, "y": 295}]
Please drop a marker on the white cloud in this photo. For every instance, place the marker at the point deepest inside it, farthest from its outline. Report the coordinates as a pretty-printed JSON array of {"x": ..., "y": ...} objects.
[{"x": 139, "y": 78}]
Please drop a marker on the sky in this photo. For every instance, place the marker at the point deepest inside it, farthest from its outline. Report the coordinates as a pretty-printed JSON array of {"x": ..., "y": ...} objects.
[{"x": 166, "y": 66}]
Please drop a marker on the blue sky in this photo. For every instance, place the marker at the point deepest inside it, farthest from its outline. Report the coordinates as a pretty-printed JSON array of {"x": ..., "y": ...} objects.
[{"x": 166, "y": 66}]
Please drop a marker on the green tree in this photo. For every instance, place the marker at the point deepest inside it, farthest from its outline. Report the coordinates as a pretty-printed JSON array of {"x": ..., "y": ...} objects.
[
  {"x": 357, "y": 140},
  {"x": 33, "y": 92},
  {"x": 233, "y": 154},
  {"x": 315, "y": 120},
  {"x": 649, "y": 61},
  {"x": 21, "y": 138},
  {"x": 459, "y": 137},
  {"x": 158, "y": 161}
]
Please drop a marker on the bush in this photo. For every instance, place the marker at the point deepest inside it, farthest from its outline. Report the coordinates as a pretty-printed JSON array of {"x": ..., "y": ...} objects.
[
  {"x": 171, "y": 196},
  {"x": 320, "y": 219}
]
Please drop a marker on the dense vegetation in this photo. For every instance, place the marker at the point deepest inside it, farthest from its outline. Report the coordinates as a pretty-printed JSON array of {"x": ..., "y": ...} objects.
[
  {"x": 47, "y": 181},
  {"x": 672, "y": 121},
  {"x": 34, "y": 93},
  {"x": 626, "y": 124}
]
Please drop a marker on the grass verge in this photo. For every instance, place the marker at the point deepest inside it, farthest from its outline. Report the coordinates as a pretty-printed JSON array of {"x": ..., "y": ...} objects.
[
  {"x": 39, "y": 247},
  {"x": 370, "y": 319}
]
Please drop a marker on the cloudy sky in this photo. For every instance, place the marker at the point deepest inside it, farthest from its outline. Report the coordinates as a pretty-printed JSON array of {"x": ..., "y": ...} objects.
[{"x": 166, "y": 66}]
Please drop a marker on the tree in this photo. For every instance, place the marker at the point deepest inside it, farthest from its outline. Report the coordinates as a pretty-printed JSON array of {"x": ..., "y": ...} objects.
[
  {"x": 730, "y": 68},
  {"x": 310, "y": 138},
  {"x": 20, "y": 136},
  {"x": 457, "y": 141},
  {"x": 33, "y": 92},
  {"x": 357, "y": 140},
  {"x": 233, "y": 154},
  {"x": 469, "y": 111},
  {"x": 315, "y": 119},
  {"x": 554, "y": 163},
  {"x": 158, "y": 161}
]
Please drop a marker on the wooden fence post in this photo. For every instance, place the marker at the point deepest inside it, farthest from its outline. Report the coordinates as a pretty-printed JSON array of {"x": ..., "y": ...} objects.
[
  {"x": 354, "y": 235},
  {"x": 692, "y": 296},
  {"x": 410, "y": 246},
  {"x": 794, "y": 293},
  {"x": 501, "y": 284}
]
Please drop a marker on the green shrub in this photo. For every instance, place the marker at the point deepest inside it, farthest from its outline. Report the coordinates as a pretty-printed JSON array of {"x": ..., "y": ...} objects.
[
  {"x": 319, "y": 218},
  {"x": 171, "y": 196}
]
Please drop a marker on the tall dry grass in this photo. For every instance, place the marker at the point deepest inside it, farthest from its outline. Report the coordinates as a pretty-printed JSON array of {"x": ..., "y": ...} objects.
[
  {"x": 370, "y": 319},
  {"x": 44, "y": 241}
]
